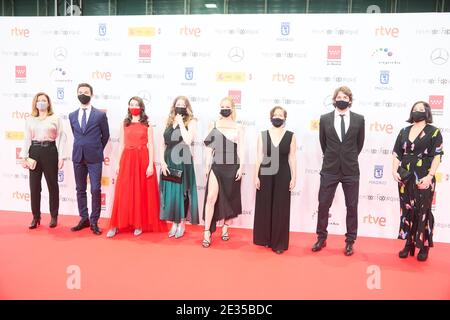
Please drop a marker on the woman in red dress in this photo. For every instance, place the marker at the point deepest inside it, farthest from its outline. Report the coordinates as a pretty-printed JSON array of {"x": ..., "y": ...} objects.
[{"x": 136, "y": 200}]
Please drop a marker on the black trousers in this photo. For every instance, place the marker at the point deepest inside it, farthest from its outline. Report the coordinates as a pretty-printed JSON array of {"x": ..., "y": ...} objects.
[
  {"x": 327, "y": 190},
  {"x": 47, "y": 163}
]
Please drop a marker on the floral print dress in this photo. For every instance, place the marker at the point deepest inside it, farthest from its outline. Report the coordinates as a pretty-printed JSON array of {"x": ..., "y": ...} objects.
[{"x": 417, "y": 221}]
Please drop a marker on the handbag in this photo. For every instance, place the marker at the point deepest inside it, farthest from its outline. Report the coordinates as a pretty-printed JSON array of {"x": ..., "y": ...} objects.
[
  {"x": 404, "y": 174},
  {"x": 31, "y": 163},
  {"x": 174, "y": 175}
]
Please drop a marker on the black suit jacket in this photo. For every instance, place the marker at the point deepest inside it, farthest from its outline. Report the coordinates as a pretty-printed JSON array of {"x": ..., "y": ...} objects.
[{"x": 341, "y": 157}]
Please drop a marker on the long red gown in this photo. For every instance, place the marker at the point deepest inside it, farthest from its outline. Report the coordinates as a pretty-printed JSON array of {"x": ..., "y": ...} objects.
[{"x": 136, "y": 199}]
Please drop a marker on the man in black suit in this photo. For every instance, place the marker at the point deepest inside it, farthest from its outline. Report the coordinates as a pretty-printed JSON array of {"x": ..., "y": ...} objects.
[{"x": 341, "y": 138}]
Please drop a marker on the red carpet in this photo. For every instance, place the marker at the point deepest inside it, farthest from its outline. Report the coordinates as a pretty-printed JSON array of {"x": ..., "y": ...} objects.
[{"x": 34, "y": 264}]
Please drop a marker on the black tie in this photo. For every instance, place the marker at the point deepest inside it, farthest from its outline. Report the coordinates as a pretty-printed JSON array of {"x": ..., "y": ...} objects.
[{"x": 342, "y": 127}]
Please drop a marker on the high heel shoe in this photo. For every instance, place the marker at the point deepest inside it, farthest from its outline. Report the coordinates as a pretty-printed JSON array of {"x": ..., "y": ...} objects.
[
  {"x": 206, "y": 242},
  {"x": 408, "y": 249},
  {"x": 225, "y": 235},
  {"x": 423, "y": 254},
  {"x": 53, "y": 222},
  {"x": 36, "y": 222},
  {"x": 173, "y": 230},
  {"x": 180, "y": 231},
  {"x": 112, "y": 232}
]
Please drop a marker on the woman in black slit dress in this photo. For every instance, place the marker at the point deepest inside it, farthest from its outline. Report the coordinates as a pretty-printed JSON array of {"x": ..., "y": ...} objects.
[{"x": 223, "y": 188}]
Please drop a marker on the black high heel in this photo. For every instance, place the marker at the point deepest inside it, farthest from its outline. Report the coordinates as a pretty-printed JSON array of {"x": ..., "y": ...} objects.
[
  {"x": 35, "y": 223},
  {"x": 423, "y": 254},
  {"x": 225, "y": 235},
  {"x": 408, "y": 249},
  {"x": 53, "y": 222}
]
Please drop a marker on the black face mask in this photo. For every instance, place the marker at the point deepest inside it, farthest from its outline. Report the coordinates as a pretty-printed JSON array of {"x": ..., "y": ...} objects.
[
  {"x": 418, "y": 116},
  {"x": 225, "y": 113},
  {"x": 340, "y": 104},
  {"x": 84, "y": 99},
  {"x": 180, "y": 110},
  {"x": 277, "y": 122}
]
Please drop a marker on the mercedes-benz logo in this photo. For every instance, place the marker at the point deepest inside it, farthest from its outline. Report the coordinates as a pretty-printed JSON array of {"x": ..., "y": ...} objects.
[
  {"x": 60, "y": 53},
  {"x": 328, "y": 101},
  {"x": 236, "y": 54},
  {"x": 146, "y": 97},
  {"x": 439, "y": 56}
]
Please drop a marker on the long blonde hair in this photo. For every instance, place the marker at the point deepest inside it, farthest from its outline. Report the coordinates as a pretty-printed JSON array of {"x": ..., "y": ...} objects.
[
  {"x": 34, "y": 109},
  {"x": 187, "y": 118},
  {"x": 233, "y": 107}
]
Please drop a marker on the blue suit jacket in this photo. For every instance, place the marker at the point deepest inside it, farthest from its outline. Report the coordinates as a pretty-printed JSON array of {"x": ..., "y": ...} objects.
[{"x": 89, "y": 145}]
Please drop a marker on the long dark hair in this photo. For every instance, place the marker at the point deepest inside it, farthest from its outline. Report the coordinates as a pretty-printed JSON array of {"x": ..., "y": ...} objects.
[{"x": 143, "y": 118}]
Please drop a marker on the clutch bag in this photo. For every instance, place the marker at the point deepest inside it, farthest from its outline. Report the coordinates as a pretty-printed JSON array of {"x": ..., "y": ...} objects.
[
  {"x": 174, "y": 175},
  {"x": 31, "y": 163}
]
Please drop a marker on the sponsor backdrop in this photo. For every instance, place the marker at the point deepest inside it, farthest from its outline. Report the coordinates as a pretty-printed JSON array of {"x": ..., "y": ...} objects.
[{"x": 296, "y": 61}]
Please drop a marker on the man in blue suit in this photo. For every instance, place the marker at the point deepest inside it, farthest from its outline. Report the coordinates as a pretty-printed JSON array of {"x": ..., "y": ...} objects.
[{"x": 91, "y": 134}]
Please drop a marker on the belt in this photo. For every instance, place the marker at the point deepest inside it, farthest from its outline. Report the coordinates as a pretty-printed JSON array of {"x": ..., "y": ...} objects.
[{"x": 42, "y": 143}]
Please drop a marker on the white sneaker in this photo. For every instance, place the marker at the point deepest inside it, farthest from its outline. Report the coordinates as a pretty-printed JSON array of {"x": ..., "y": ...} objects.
[
  {"x": 111, "y": 233},
  {"x": 173, "y": 230},
  {"x": 137, "y": 232}
]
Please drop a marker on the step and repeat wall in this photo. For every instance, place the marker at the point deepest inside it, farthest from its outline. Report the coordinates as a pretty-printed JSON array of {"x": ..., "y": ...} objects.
[{"x": 295, "y": 61}]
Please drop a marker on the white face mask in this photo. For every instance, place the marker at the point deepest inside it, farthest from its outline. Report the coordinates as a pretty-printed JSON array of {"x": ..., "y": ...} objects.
[{"x": 42, "y": 105}]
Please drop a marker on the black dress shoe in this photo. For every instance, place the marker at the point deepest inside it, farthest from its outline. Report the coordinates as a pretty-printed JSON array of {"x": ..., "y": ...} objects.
[
  {"x": 95, "y": 229},
  {"x": 423, "y": 254},
  {"x": 321, "y": 243},
  {"x": 348, "y": 249},
  {"x": 84, "y": 223},
  {"x": 279, "y": 251},
  {"x": 35, "y": 223},
  {"x": 53, "y": 222}
]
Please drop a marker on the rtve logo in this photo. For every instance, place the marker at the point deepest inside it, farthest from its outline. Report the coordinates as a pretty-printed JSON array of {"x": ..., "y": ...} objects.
[
  {"x": 25, "y": 196},
  {"x": 283, "y": 77},
  {"x": 188, "y": 31},
  {"x": 20, "y": 32},
  {"x": 381, "y": 221},
  {"x": 20, "y": 115},
  {"x": 101, "y": 75},
  {"x": 380, "y": 127},
  {"x": 387, "y": 31}
]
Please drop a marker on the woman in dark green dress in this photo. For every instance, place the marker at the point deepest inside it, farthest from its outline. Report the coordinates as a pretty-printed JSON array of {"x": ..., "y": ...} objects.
[
  {"x": 417, "y": 155},
  {"x": 179, "y": 201}
]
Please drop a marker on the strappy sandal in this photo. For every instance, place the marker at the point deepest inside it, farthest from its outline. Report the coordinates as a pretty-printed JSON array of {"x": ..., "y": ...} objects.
[
  {"x": 225, "y": 235},
  {"x": 206, "y": 243}
]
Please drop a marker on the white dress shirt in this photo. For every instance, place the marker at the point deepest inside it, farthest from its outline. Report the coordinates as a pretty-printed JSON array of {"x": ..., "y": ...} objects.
[
  {"x": 80, "y": 114},
  {"x": 337, "y": 122}
]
